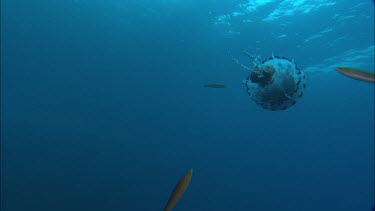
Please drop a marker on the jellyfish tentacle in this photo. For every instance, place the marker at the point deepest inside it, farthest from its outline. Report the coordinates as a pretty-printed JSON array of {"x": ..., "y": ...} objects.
[
  {"x": 252, "y": 56},
  {"x": 256, "y": 59},
  {"x": 237, "y": 62}
]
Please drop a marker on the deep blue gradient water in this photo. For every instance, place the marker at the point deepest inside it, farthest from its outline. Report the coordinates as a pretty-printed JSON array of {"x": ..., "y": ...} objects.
[{"x": 103, "y": 106}]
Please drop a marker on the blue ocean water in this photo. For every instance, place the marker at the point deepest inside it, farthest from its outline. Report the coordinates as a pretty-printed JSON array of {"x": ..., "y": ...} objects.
[{"x": 103, "y": 105}]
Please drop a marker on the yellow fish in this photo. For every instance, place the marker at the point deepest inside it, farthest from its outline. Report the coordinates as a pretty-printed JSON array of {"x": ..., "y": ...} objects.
[
  {"x": 357, "y": 74},
  {"x": 178, "y": 190}
]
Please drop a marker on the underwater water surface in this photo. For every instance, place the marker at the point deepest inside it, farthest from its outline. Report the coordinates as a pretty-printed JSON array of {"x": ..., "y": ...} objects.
[{"x": 104, "y": 105}]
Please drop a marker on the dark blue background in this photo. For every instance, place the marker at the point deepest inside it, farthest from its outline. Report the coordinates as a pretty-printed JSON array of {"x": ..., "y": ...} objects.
[{"x": 103, "y": 108}]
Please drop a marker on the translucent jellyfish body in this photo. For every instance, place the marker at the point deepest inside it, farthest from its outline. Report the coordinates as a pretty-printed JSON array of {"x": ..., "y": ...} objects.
[{"x": 276, "y": 83}]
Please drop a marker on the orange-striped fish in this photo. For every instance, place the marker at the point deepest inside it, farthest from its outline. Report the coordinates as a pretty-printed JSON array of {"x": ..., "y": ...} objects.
[
  {"x": 357, "y": 74},
  {"x": 178, "y": 190}
]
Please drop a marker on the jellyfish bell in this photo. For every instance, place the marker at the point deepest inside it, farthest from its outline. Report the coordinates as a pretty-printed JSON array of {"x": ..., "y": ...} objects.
[{"x": 275, "y": 83}]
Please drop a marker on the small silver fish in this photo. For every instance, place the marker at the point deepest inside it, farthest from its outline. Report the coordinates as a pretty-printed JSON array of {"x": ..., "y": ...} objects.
[
  {"x": 357, "y": 74},
  {"x": 214, "y": 86}
]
